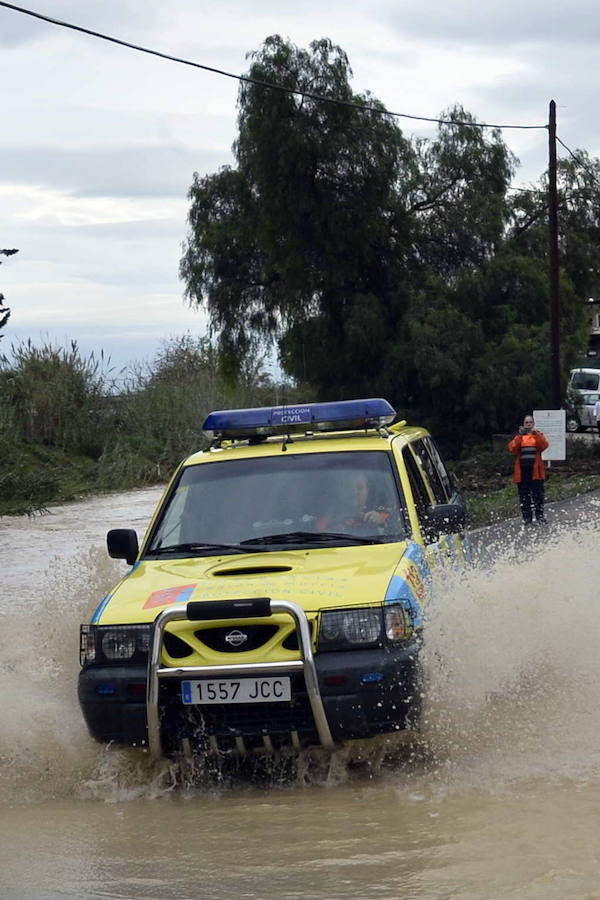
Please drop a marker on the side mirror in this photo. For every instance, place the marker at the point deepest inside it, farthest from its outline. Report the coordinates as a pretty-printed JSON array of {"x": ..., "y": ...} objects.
[
  {"x": 446, "y": 518},
  {"x": 122, "y": 543}
]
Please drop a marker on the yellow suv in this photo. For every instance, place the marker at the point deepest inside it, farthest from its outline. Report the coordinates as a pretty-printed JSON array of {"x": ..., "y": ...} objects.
[{"x": 277, "y": 599}]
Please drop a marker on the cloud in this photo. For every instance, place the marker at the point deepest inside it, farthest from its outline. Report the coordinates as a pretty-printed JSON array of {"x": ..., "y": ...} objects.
[
  {"x": 140, "y": 171},
  {"x": 99, "y": 143},
  {"x": 510, "y": 24},
  {"x": 110, "y": 255},
  {"x": 18, "y": 28}
]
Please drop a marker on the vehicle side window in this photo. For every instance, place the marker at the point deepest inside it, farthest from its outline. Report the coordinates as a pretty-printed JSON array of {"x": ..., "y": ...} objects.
[
  {"x": 584, "y": 381},
  {"x": 440, "y": 466},
  {"x": 435, "y": 481},
  {"x": 417, "y": 485}
]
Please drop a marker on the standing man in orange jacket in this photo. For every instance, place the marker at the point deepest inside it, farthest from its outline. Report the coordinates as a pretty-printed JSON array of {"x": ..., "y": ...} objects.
[{"x": 529, "y": 474}]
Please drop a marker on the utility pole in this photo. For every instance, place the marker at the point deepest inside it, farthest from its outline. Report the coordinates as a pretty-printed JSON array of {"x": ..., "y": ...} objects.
[{"x": 555, "y": 371}]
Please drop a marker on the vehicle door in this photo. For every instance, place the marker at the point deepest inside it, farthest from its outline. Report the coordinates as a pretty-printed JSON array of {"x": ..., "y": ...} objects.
[
  {"x": 416, "y": 489},
  {"x": 445, "y": 491},
  {"x": 587, "y": 410},
  {"x": 426, "y": 467}
]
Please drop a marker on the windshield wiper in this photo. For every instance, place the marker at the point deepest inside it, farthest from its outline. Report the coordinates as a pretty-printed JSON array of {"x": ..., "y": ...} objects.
[
  {"x": 201, "y": 545},
  {"x": 310, "y": 537}
]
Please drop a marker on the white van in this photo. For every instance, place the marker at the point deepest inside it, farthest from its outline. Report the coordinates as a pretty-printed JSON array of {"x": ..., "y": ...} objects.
[
  {"x": 584, "y": 380},
  {"x": 582, "y": 393}
]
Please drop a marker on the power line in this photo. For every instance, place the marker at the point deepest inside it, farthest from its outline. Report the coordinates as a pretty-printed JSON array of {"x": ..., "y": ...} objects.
[
  {"x": 247, "y": 80},
  {"x": 580, "y": 162},
  {"x": 562, "y": 144}
]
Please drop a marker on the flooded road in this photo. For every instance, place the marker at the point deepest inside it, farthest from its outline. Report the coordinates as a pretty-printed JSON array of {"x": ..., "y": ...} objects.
[{"x": 498, "y": 797}]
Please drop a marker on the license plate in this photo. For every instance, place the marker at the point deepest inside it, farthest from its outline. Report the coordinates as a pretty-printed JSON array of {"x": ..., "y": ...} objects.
[{"x": 236, "y": 690}]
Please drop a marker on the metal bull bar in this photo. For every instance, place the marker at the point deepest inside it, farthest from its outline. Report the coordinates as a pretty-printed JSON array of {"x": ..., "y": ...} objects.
[{"x": 196, "y": 611}]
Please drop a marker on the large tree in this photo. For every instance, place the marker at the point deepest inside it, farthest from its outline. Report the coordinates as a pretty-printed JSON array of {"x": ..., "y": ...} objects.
[
  {"x": 383, "y": 266},
  {"x": 305, "y": 239},
  {"x": 458, "y": 197}
]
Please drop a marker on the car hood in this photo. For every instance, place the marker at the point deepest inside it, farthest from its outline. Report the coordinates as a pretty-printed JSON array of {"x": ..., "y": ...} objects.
[{"x": 315, "y": 579}]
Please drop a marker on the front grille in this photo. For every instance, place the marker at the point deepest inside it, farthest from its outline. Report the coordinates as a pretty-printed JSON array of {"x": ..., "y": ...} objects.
[
  {"x": 291, "y": 641},
  {"x": 257, "y": 719},
  {"x": 236, "y": 638},
  {"x": 175, "y": 647},
  {"x": 226, "y": 722}
]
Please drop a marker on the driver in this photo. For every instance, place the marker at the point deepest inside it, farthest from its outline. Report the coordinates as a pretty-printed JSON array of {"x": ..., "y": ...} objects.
[{"x": 353, "y": 508}]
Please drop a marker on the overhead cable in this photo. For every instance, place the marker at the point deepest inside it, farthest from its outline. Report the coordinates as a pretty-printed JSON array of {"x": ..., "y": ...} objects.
[
  {"x": 580, "y": 162},
  {"x": 247, "y": 80}
]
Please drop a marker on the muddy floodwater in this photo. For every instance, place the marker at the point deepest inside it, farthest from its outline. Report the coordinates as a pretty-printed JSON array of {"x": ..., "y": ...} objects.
[{"x": 498, "y": 796}]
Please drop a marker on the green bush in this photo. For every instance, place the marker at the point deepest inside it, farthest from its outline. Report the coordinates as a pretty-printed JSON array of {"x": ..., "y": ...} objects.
[
  {"x": 164, "y": 405},
  {"x": 24, "y": 490},
  {"x": 65, "y": 428},
  {"x": 56, "y": 396},
  {"x": 9, "y": 434}
]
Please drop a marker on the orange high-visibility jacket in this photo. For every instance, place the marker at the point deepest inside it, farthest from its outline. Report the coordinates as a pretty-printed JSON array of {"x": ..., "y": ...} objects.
[{"x": 541, "y": 442}]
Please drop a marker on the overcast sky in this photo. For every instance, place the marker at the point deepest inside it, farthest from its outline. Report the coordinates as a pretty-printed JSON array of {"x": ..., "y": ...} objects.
[{"x": 99, "y": 143}]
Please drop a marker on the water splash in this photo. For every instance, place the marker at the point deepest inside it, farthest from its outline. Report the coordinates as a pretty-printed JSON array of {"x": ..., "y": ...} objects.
[
  {"x": 511, "y": 686},
  {"x": 511, "y": 663},
  {"x": 44, "y": 747}
]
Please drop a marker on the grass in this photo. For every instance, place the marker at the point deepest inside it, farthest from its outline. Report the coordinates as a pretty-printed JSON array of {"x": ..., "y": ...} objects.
[
  {"x": 485, "y": 478},
  {"x": 47, "y": 475},
  {"x": 43, "y": 475},
  {"x": 487, "y": 508},
  {"x": 66, "y": 432},
  {"x": 69, "y": 428}
]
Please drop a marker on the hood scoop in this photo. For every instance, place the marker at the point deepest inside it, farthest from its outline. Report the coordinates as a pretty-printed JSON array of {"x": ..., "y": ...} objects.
[{"x": 243, "y": 571}]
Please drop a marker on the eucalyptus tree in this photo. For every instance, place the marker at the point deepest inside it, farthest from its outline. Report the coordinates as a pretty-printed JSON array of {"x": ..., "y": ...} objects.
[
  {"x": 305, "y": 239},
  {"x": 381, "y": 265}
]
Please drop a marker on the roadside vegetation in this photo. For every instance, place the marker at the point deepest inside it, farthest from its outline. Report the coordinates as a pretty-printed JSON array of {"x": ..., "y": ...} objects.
[
  {"x": 70, "y": 426},
  {"x": 371, "y": 262}
]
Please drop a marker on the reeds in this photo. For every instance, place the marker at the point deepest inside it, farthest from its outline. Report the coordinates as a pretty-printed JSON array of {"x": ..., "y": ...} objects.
[{"x": 69, "y": 423}]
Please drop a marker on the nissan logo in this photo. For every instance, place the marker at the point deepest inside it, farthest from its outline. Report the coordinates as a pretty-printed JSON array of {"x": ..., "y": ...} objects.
[{"x": 236, "y": 638}]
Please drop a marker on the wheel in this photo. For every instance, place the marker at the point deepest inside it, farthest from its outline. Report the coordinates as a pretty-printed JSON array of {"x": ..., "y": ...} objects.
[{"x": 572, "y": 423}]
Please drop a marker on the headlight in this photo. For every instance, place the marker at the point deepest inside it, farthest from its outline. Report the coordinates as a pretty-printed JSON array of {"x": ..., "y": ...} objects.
[
  {"x": 114, "y": 643},
  {"x": 345, "y": 628},
  {"x": 118, "y": 644},
  {"x": 374, "y": 626}
]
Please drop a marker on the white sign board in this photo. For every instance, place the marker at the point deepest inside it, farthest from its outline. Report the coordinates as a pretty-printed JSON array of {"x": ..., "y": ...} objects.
[{"x": 552, "y": 423}]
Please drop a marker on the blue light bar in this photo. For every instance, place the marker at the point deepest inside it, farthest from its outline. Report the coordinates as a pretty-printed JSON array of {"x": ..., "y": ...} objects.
[{"x": 263, "y": 421}]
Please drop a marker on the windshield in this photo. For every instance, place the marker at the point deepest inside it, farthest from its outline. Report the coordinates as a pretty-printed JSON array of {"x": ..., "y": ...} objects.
[
  {"x": 585, "y": 381},
  {"x": 285, "y": 499}
]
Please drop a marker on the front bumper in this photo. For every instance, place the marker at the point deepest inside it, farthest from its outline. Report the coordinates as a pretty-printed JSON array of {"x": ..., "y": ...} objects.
[
  {"x": 113, "y": 702},
  {"x": 336, "y": 696}
]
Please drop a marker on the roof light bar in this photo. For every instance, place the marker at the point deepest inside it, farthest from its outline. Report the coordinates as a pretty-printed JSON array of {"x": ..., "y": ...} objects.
[{"x": 263, "y": 421}]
